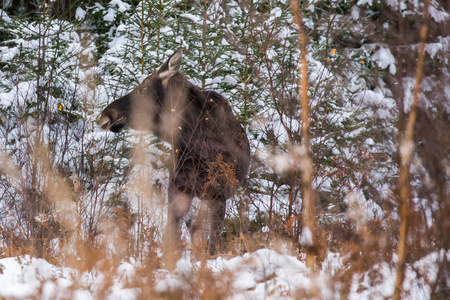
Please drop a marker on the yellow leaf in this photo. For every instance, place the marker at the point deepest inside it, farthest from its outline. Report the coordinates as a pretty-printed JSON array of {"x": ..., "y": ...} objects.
[
  {"x": 61, "y": 106},
  {"x": 333, "y": 51}
]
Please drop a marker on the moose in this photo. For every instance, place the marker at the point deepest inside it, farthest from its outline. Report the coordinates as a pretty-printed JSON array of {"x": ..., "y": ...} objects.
[{"x": 210, "y": 149}]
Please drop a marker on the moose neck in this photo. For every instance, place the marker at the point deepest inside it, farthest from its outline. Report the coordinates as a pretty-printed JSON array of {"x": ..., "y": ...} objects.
[{"x": 170, "y": 119}]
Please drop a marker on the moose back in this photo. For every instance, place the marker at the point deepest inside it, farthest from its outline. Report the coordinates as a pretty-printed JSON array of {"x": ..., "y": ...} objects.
[{"x": 210, "y": 149}]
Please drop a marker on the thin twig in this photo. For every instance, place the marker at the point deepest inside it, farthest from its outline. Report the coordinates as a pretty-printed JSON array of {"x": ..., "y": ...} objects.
[
  {"x": 405, "y": 150},
  {"x": 308, "y": 199}
]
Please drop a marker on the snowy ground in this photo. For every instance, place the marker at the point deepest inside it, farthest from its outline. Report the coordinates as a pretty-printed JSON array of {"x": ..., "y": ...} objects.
[{"x": 264, "y": 274}]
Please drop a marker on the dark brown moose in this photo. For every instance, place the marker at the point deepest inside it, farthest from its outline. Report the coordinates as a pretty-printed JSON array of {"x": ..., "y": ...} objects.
[{"x": 210, "y": 149}]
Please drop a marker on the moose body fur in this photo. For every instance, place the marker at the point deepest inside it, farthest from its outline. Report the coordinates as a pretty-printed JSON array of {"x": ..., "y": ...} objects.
[{"x": 210, "y": 149}]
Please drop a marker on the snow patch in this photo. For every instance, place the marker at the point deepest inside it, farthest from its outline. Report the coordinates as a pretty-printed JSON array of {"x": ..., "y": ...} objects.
[
  {"x": 80, "y": 13},
  {"x": 439, "y": 16},
  {"x": 263, "y": 274},
  {"x": 8, "y": 54},
  {"x": 121, "y": 6},
  {"x": 355, "y": 12},
  {"x": 363, "y": 2},
  {"x": 193, "y": 18},
  {"x": 22, "y": 277},
  {"x": 384, "y": 106},
  {"x": 4, "y": 16},
  {"x": 384, "y": 59},
  {"x": 306, "y": 238},
  {"x": 110, "y": 15}
]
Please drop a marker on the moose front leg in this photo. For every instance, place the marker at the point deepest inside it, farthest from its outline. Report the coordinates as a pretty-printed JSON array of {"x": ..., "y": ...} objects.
[
  {"x": 217, "y": 209},
  {"x": 207, "y": 227},
  {"x": 179, "y": 204}
]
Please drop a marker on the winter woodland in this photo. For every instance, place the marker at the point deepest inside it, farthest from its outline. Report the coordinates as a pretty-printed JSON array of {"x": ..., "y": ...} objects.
[{"x": 346, "y": 103}]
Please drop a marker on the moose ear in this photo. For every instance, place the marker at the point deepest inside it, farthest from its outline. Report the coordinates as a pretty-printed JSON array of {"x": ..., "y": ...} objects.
[{"x": 171, "y": 66}]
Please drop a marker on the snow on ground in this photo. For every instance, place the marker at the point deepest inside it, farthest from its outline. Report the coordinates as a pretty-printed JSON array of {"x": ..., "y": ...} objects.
[{"x": 264, "y": 274}]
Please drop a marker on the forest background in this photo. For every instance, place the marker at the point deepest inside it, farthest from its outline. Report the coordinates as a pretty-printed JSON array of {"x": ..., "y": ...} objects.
[{"x": 74, "y": 195}]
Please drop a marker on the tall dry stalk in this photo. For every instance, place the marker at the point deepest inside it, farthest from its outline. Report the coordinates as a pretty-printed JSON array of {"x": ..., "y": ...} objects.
[
  {"x": 308, "y": 204},
  {"x": 405, "y": 150},
  {"x": 204, "y": 31}
]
